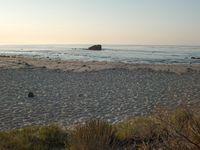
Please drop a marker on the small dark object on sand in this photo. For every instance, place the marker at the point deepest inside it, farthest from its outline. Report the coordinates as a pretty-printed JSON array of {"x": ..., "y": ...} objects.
[
  {"x": 80, "y": 95},
  {"x": 43, "y": 67},
  {"x": 190, "y": 70},
  {"x": 30, "y": 95},
  {"x": 27, "y": 64},
  {"x": 95, "y": 48}
]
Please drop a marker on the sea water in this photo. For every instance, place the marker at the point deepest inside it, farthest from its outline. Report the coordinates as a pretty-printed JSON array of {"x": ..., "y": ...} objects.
[{"x": 145, "y": 54}]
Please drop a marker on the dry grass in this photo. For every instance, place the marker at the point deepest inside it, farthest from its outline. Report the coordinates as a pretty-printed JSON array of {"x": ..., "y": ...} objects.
[
  {"x": 183, "y": 127},
  {"x": 93, "y": 135},
  {"x": 141, "y": 132},
  {"x": 167, "y": 130}
]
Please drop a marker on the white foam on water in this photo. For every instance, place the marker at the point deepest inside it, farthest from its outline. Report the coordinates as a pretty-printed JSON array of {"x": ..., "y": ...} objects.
[{"x": 111, "y": 53}]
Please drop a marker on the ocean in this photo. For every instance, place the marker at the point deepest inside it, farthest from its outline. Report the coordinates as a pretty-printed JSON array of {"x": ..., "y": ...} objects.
[{"x": 142, "y": 54}]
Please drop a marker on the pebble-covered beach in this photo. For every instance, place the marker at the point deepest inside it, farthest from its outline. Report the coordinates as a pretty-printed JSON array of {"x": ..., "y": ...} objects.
[{"x": 71, "y": 97}]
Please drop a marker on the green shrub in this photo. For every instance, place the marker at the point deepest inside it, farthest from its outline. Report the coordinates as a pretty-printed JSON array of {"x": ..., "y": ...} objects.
[
  {"x": 34, "y": 138},
  {"x": 16, "y": 140},
  {"x": 52, "y": 137}
]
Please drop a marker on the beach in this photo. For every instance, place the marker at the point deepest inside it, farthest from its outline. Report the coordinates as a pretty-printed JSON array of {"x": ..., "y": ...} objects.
[{"x": 70, "y": 92}]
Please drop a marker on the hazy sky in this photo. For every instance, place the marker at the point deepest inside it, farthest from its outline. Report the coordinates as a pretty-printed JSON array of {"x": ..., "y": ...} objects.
[{"x": 100, "y": 21}]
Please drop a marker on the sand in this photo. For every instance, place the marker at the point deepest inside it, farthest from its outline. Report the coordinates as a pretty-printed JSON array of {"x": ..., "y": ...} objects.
[
  {"x": 13, "y": 62},
  {"x": 71, "y": 92}
]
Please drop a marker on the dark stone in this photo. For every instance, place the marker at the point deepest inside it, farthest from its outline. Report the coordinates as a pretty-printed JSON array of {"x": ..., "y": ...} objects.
[
  {"x": 30, "y": 95},
  {"x": 189, "y": 70},
  {"x": 80, "y": 95},
  {"x": 4, "y": 56},
  {"x": 27, "y": 64},
  {"x": 195, "y": 57},
  {"x": 43, "y": 67},
  {"x": 95, "y": 48}
]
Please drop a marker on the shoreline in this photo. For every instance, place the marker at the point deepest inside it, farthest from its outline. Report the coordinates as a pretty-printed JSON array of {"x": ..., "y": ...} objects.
[{"x": 16, "y": 62}]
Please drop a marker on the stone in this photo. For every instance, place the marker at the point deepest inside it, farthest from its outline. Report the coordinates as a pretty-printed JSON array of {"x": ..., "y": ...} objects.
[
  {"x": 189, "y": 70},
  {"x": 30, "y": 95},
  {"x": 195, "y": 57},
  {"x": 26, "y": 64},
  {"x": 80, "y": 95},
  {"x": 95, "y": 48}
]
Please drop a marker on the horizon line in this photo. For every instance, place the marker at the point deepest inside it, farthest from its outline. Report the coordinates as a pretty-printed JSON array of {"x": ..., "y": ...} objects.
[{"x": 121, "y": 44}]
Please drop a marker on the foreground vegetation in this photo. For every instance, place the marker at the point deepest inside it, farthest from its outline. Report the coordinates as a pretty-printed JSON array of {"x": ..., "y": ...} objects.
[{"x": 167, "y": 130}]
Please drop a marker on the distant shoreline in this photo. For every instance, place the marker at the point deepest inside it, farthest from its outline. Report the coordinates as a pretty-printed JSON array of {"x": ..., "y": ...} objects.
[
  {"x": 129, "y": 54},
  {"x": 15, "y": 62}
]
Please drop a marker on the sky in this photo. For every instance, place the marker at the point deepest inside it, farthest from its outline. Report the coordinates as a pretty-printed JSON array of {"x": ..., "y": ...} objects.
[{"x": 155, "y": 22}]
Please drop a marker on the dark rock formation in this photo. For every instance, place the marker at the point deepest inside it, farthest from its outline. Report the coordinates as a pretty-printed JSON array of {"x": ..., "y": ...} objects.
[
  {"x": 195, "y": 57},
  {"x": 95, "y": 47}
]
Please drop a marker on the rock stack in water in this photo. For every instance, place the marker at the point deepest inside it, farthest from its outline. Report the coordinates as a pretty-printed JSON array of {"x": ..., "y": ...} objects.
[{"x": 95, "y": 48}]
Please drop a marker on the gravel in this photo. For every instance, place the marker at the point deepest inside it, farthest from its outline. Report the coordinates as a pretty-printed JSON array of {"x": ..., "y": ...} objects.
[{"x": 68, "y": 98}]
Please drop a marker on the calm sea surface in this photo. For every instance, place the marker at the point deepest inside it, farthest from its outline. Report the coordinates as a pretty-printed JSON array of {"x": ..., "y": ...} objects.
[{"x": 112, "y": 53}]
